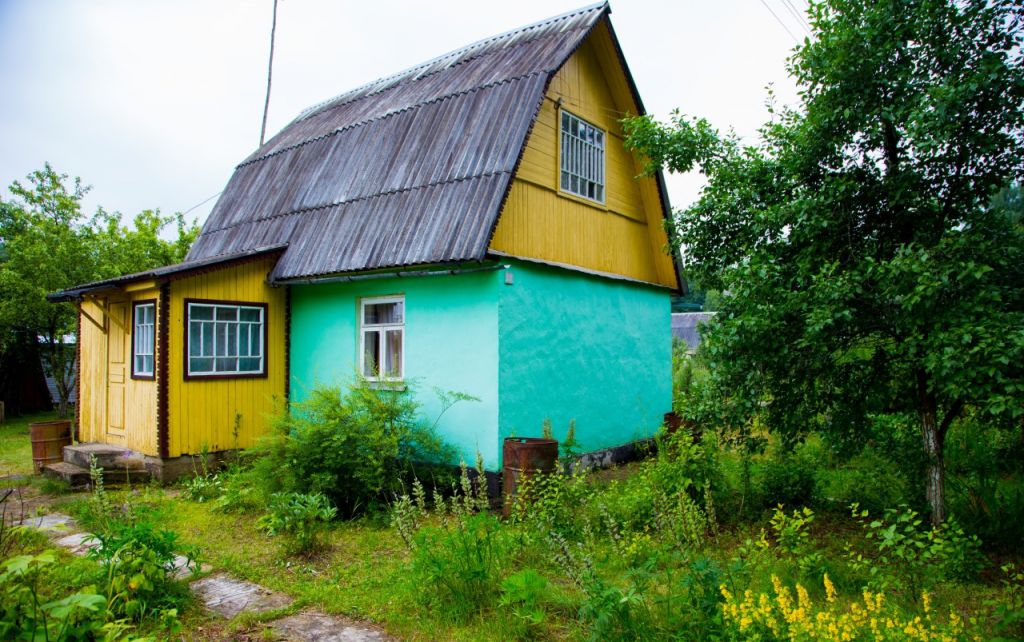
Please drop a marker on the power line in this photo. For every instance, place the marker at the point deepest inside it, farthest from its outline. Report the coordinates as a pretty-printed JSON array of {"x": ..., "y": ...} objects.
[
  {"x": 270, "y": 73},
  {"x": 798, "y": 15},
  {"x": 781, "y": 23},
  {"x": 205, "y": 201}
]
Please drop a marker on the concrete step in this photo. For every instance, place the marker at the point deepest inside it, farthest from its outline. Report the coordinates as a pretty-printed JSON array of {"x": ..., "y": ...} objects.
[
  {"x": 77, "y": 476},
  {"x": 112, "y": 458}
]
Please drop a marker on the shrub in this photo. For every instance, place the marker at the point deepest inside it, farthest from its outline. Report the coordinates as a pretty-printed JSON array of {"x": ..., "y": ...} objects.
[
  {"x": 302, "y": 518},
  {"x": 356, "y": 447},
  {"x": 793, "y": 537},
  {"x": 868, "y": 479},
  {"x": 138, "y": 560},
  {"x": 911, "y": 559},
  {"x": 788, "y": 480}
]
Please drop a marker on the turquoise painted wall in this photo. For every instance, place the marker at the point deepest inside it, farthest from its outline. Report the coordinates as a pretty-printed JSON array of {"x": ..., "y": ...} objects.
[
  {"x": 451, "y": 332},
  {"x": 580, "y": 347}
]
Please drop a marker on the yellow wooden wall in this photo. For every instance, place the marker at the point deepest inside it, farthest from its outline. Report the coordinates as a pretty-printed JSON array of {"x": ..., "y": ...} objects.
[
  {"x": 139, "y": 432},
  {"x": 625, "y": 235},
  {"x": 201, "y": 412}
]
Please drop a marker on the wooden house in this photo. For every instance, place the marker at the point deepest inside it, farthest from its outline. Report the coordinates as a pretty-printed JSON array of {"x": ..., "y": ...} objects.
[{"x": 473, "y": 224}]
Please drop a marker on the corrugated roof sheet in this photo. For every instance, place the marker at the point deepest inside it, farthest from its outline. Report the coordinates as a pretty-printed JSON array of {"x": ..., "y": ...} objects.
[
  {"x": 686, "y": 327},
  {"x": 410, "y": 169}
]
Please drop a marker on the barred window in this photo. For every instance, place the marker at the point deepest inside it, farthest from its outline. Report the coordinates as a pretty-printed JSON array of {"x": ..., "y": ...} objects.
[
  {"x": 225, "y": 340},
  {"x": 582, "y": 158}
]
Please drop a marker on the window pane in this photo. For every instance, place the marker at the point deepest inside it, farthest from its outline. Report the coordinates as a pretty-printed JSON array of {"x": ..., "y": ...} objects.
[
  {"x": 227, "y": 365},
  {"x": 375, "y": 313},
  {"x": 227, "y": 314},
  {"x": 243, "y": 340},
  {"x": 139, "y": 365},
  {"x": 220, "y": 339},
  {"x": 249, "y": 364},
  {"x": 249, "y": 314},
  {"x": 254, "y": 341},
  {"x": 195, "y": 339},
  {"x": 200, "y": 312},
  {"x": 200, "y": 364},
  {"x": 394, "y": 354},
  {"x": 207, "y": 330},
  {"x": 147, "y": 364},
  {"x": 232, "y": 339},
  {"x": 371, "y": 352}
]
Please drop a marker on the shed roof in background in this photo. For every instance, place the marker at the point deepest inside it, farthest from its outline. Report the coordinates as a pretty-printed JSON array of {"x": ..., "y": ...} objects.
[
  {"x": 686, "y": 327},
  {"x": 410, "y": 169}
]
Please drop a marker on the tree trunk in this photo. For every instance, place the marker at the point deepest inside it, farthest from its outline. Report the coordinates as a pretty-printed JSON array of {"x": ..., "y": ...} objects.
[{"x": 934, "y": 437}]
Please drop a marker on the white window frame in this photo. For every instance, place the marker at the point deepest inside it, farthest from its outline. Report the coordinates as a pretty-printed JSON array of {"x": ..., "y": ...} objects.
[
  {"x": 381, "y": 328},
  {"x": 140, "y": 346},
  {"x": 260, "y": 327},
  {"x": 581, "y": 159}
]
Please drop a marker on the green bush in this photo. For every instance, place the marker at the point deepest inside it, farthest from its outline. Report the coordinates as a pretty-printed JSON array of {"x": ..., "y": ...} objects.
[
  {"x": 868, "y": 479},
  {"x": 137, "y": 560},
  {"x": 787, "y": 479},
  {"x": 301, "y": 518},
  {"x": 356, "y": 447}
]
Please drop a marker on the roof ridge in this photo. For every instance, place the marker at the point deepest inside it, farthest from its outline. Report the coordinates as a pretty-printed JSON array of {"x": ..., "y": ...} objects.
[
  {"x": 389, "y": 114},
  {"x": 358, "y": 199},
  {"x": 455, "y": 53}
]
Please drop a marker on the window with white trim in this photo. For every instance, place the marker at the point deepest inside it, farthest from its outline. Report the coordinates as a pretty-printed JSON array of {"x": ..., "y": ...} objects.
[
  {"x": 382, "y": 338},
  {"x": 225, "y": 339},
  {"x": 582, "y": 158},
  {"x": 143, "y": 339}
]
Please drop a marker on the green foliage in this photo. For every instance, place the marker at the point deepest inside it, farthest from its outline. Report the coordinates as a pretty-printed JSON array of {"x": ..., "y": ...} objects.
[
  {"x": 909, "y": 558},
  {"x": 869, "y": 479},
  {"x": 356, "y": 447},
  {"x": 523, "y": 594},
  {"x": 793, "y": 537},
  {"x": 866, "y": 271},
  {"x": 460, "y": 554},
  {"x": 300, "y": 517},
  {"x": 138, "y": 558},
  {"x": 1008, "y": 609},
  {"x": 787, "y": 479},
  {"x": 49, "y": 245}
]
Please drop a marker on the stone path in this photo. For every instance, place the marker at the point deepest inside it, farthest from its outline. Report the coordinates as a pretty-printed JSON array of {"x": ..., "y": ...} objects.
[{"x": 225, "y": 595}]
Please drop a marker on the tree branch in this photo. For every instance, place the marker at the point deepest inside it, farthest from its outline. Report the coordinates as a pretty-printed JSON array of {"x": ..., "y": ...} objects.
[{"x": 951, "y": 414}]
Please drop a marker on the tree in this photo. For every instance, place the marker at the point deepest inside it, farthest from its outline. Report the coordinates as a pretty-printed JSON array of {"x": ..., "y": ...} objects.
[
  {"x": 47, "y": 245},
  {"x": 863, "y": 267}
]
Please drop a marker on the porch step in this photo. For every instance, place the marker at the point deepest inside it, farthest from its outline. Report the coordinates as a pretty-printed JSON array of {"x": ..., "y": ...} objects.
[
  {"x": 110, "y": 458},
  {"x": 77, "y": 476}
]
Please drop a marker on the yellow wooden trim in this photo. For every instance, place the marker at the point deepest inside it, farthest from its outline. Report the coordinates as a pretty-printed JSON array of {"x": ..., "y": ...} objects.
[{"x": 141, "y": 285}]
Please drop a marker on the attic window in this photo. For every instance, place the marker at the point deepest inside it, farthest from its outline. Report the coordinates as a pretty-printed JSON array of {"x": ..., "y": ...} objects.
[{"x": 582, "y": 158}]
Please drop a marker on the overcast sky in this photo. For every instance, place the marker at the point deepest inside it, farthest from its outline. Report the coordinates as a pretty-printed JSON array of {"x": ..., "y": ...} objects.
[{"x": 154, "y": 103}]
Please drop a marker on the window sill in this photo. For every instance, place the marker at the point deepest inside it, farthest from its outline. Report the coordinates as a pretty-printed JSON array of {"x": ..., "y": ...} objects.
[{"x": 394, "y": 386}]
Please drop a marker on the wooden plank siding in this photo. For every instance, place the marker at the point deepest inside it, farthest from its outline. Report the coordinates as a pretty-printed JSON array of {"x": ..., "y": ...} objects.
[
  {"x": 201, "y": 412},
  {"x": 625, "y": 235},
  {"x": 139, "y": 404}
]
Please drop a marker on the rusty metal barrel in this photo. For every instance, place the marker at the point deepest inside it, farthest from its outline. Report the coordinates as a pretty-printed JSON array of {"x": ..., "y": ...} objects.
[
  {"x": 48, "y": 441},
  {"x": 522, "y": 457}
]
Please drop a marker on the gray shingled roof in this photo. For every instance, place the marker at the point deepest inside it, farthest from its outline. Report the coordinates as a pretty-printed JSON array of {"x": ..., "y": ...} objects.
[
  {"x": 410, "y": 169},
  {"x": 686, "y": 327}
]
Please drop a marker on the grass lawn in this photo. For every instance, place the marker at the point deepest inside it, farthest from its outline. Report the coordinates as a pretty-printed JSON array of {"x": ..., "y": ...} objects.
[{"x": 15, "y": 447}]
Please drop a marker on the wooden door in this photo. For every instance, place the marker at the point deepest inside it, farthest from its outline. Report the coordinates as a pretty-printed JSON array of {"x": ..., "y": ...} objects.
[{"x": 117, "y": 368}]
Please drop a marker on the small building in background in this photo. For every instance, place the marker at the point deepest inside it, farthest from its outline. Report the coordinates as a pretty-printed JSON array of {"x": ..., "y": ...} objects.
[{"x": 686, "y": 328}]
